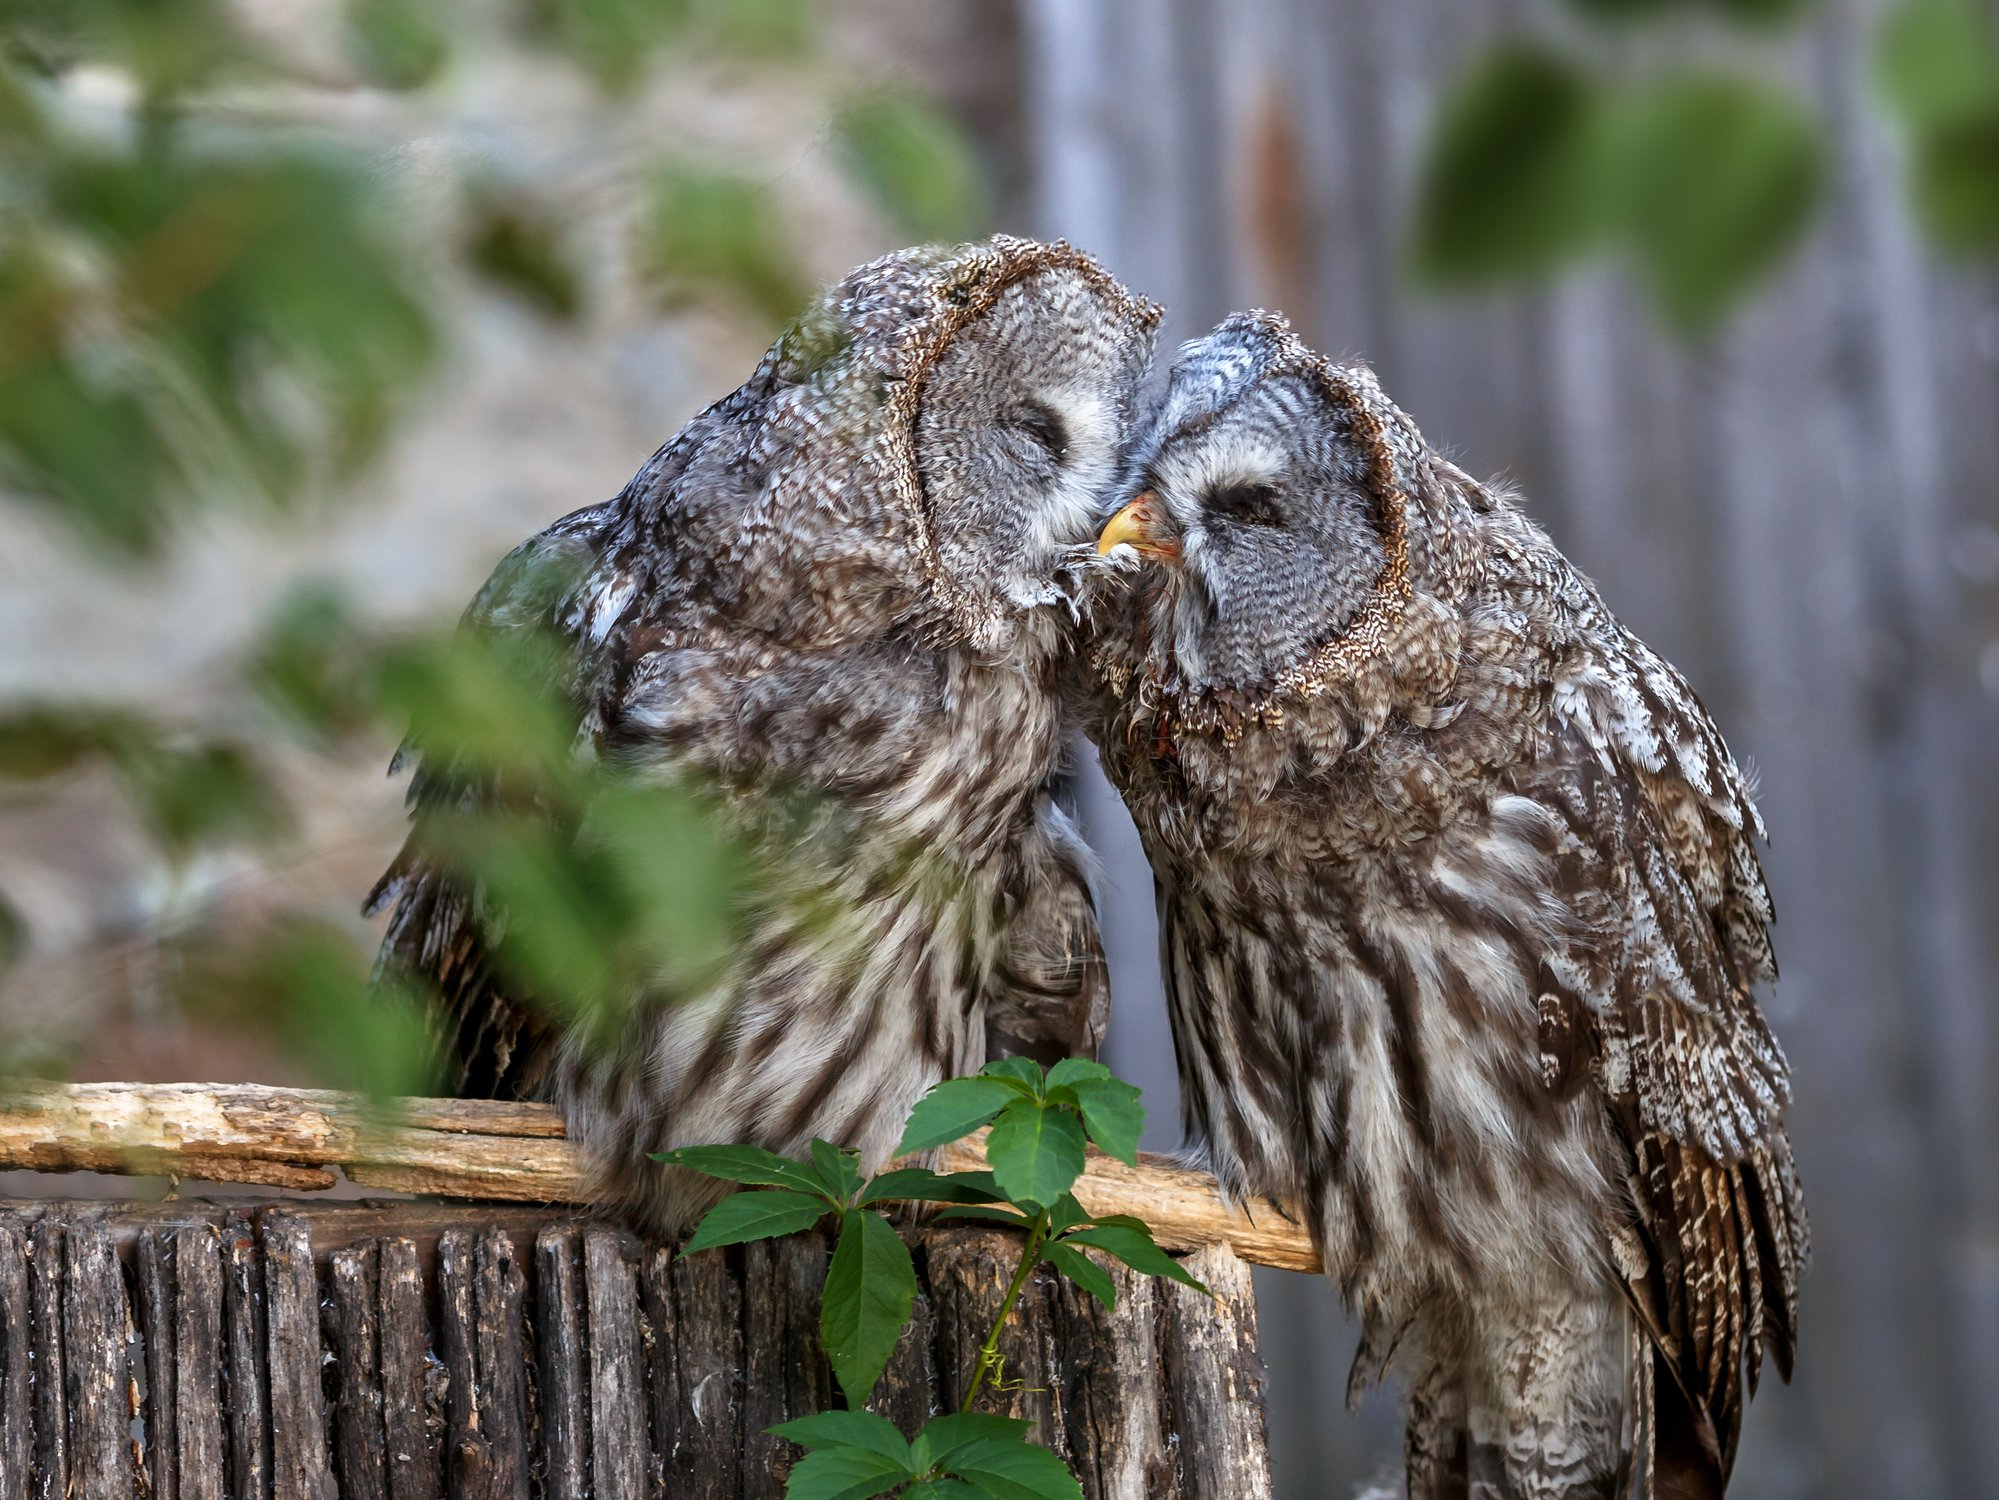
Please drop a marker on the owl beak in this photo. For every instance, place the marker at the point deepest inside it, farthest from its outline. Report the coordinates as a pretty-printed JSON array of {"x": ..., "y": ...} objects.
[{"x": 1138, "y": 525}]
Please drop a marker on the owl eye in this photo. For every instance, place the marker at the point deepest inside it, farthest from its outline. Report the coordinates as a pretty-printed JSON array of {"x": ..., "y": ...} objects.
[
  {"x": 1046, "y": 428},
  {"x": 1254, "y": 504}
]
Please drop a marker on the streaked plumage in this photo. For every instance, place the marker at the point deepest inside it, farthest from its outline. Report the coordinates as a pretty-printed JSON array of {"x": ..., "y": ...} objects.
[
  {"x": 1462, "y": 921},
  {"x": 844, "y": 587}
]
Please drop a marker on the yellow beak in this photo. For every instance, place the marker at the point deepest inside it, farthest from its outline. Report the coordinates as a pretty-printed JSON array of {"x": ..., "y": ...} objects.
[{"x": 1134, "y": 524}]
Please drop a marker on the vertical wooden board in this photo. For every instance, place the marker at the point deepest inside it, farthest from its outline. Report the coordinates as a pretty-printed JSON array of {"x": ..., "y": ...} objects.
[
  {"x": 299, "y": 1469},
  {"x": 565, "y": 1436},
  {"x": 1111, "y": 1391},
  {"x": 96, "y": 1367},
  {"x": 244, "y": 1327},
  {"x": 156, "y": 1308},
  {"x": 1214, "y": 1377},
  {"x": 17, "y": 1432},
  {"x": 412, "y": 1381},
  {"x": 51, "y": 1429},
  {"x": 970, "y": 1270},
  {"x": 694, "y": 1306},
  {"x": 618, "y": 1454},
  {"x": 467, "y": 1464},
  {"x": 352, "y": 1298},
  {"x": 785, "y": 1374},
  {"x": 501, "y": 1363},
  {"x": 199, "y": 1357}
]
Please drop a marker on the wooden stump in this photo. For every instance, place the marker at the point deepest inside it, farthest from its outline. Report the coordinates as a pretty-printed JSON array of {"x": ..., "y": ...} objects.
[{"x": 293, "y": 1355}]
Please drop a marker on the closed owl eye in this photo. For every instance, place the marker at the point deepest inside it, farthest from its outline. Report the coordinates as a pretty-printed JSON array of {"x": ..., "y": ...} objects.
[
  {"x": 1254, "y": 503},
  {"x": 1046, "y": 428}
]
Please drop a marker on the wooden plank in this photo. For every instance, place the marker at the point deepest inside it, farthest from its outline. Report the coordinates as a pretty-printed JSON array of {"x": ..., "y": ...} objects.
[
  {"x": 97, "y": 1378},
  {"x": 1214, "y": 1381},
  {"x": 248, "y": 1366},
  {"x": 1109, "y": 1393},
  {"x": 353, "y": 1300},
  {"x": 468, "y": 1466},
  {"x": 156, "y": 1304},
  {"x": 618, "y": 1452},
  {"x": 45, "y": 1282},
  {"x": 199, "y": 1360},
  {"x": 785, "y": 1373},
  {"x": 299, "y": 1468},
  {"x": 412, "y": 1382},
  {"x": 565, "y": 1433},
  {"x": 491, "y": 1152},
  {"x": 694, "y": 1311},
  {"x": 17, "y": 1433},
  {"x": 501, "y": 1362}
]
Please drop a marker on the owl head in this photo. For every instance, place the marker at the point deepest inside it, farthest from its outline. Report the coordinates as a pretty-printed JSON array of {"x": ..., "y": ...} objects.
[
  {"x": 945, "y": 422},
  {"x": 1269, "y": 495}
]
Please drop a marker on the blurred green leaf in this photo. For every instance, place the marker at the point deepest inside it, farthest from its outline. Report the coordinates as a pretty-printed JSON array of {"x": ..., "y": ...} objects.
[
  {"x": 1936, "y": 64},
  {"x": 482, "y": 703},
  {"x": 313, "y": 663},
  {"x": 399, "y": 44},
  {"x": 614, "y": 39},
  {"x": 1036, "y": 1152},
  {"x": 1718, "y": 179},
  {"x": 168, "y": 45},
  {"x": 758, "y": 28},
  {"x": 204, "y": 794},
  {"x": 518, "y": 247},
  {"x": 683, "y": 879},
  {"x": 1762, "y": 15},
  {"x": 758, "y": 1214},
  {"x": 1624, "y": 10},
  {"x": 870, "y": 1287},
  {"x": 13, "y": 933},
  {"x": 45, "y": 740},
  {"x": 1511, "y": 180},
  {"x": 711, "y": 231},
  {"x": 918, "y": 163},
  {"x": 1956, "y": 185}
]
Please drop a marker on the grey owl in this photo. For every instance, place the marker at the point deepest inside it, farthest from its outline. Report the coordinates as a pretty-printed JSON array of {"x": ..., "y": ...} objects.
[
  {"x": 1462, "y": 918},
  {"x": 848, "y": 582}
]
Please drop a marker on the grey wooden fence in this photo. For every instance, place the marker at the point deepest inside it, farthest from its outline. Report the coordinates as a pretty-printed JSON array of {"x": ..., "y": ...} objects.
[{"x": 1801, "y": 512}]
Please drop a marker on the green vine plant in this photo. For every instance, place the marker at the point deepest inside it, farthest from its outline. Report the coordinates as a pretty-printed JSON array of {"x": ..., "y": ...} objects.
[{"x": 1041, "y": 1125}]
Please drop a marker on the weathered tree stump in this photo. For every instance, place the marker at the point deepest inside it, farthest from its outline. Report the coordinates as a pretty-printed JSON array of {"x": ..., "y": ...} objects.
[{"x": 414, "y": 1351}]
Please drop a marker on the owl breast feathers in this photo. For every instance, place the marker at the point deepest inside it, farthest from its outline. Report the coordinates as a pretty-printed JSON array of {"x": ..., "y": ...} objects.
[
  {"x": 844, "y": 588},
  {"x": 1462, "y": 921}
]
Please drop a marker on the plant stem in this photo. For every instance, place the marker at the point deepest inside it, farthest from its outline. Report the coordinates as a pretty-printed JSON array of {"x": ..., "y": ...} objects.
[{"x": 1030, "y": 1257}]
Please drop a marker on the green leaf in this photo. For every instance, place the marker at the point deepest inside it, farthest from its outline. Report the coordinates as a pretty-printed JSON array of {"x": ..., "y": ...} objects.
[
  {"x": 518, "y": 246},
  {"x": 748, "y": 1164},
  {"x": 918, "y": 1184},
  {"x": 843, "y": 1474},
  {"x": 1066, "y": 1213},
  {"x": 1071, "y": 1070},
  {"x": 838, "y": 1169},
  {"x": 1036, "y": 1153},
  {"x": 847, "y": 1429},
  {"x": 1762, "y": 15},
  {"x": 766, "y": 1214},
  {"x": 984, "y": 1214},
  {"x": 1022, "y": 1074},
  {"x": 399, "y": 44},
  {"x": 711, "y": 231},
  {"x": 919, "y": 164},
  {"x": 1620, "y": 11},
  {"x": 47, "y": 740},
  {"x": 1013, "y": 1469},
  {"x": 205, "y": 795},
  {"x": 1720, "y": 176},
  {"x": 13, "y": 933},
  {"x": 1956, "y": 186},
  {"x": 870, "y": 1285},
  {"x": 1511, "y": 182},
  {"x": 1136, "y": 1249},
  {"x": 1113, "y": 1115},
  {"x": 1085, "y": 1272},
  {"x": 943, "y": 1489},
  {"x": 945, "y": 1435},
  {"x": 1935, "y": 63},
  {"x": 951, "y": 1110}
]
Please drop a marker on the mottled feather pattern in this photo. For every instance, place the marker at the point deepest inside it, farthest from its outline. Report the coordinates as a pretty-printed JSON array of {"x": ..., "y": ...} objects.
[
  {"x": 839, "y": 597},
  {"x": 1462, "y": 925}
]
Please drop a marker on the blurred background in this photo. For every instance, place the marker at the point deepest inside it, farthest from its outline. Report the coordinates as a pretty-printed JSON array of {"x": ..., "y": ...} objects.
[{"x": 310, "y": 310}]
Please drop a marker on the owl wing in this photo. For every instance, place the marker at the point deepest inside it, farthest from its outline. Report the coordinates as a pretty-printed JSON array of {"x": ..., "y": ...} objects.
[
  {"x": 1658, "y": 864},
  {"x": 1050, "y": 994},
  {"x": 560, "y": 591}
]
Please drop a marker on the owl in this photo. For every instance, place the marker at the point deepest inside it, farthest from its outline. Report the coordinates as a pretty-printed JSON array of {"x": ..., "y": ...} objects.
[
  {"x": 845, "y": 588},
  {"x": 1462, "y": 921}
]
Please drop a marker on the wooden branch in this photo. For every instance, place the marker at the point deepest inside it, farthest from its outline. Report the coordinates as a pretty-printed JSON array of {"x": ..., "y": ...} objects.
[{"x": 479, "y": 1149}]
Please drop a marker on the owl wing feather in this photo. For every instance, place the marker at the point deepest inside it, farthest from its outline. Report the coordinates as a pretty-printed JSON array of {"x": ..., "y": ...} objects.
[
  {"x": 1050, "y": 996},
  {"x": 1659, "y": 866},
  {"x": 552, "y": 590}
]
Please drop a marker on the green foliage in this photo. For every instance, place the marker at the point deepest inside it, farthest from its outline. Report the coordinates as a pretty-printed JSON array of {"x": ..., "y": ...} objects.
[
  {"x": 714, "y": 232},
  {"x": 871, "y": 1281},
  {"x": 516, "y": 245},
  {"x": 918, "y": 163},
  {"x": 1937, "y": 69},
  {"x": 615, "y": 40},
  {"x": 399, "y": 44},
  {"x": 1512, "y": 181},
  {"x": 1719, "y": 178}
]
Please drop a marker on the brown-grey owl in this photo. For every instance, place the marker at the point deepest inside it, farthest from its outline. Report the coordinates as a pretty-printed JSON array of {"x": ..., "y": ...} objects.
[
  {"x": 1462, "y": 918},
  {"x": 844, "y": 587}
]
